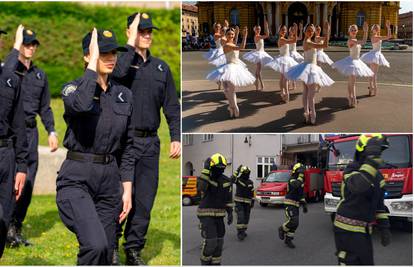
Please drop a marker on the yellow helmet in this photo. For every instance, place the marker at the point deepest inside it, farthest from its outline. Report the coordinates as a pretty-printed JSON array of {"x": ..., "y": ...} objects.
[
  {"x": 244, "y": 169},
  {"x": 363, "y": 141},
  {"x": 296, "y": 167},
  {"x": 218, "y": 160}
]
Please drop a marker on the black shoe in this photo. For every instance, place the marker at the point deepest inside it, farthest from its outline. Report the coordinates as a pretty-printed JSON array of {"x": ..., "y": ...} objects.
[
  {"x": 133, "y": 257},
  {"x": 281, "y": 233},
  {"x": 240, "y": 236},
  {"x": 115, "y": 257},
  {"x": 20, "y": 239},
  {"x": 289, "y": 243},
  {"x": 12, "y": 240}
]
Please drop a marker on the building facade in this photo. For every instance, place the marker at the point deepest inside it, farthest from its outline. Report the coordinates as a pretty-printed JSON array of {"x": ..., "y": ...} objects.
[
  {"x": 340, "y": 14},
  {"x": 405, "y": 25},
  {"x": 258, "y": 151},
  {"x": 189, "y": 20}
]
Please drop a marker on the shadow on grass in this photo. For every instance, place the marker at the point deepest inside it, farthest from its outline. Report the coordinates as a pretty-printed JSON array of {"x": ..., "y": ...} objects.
[
  {"x": 35, "y": 261},
  {"x": 40, "y": 223}
]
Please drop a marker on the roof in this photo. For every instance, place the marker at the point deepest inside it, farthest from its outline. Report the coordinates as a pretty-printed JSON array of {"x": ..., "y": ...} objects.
[{"x": 188, "y": 7}]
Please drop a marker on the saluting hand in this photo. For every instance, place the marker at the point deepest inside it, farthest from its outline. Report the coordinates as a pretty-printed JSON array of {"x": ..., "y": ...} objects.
[
  {"x": 175, "y": 150},
  {"x": 133, "y": 30},
  {"x": 19, "y": 181},
  {"x": 19, "y": 37},
  {"x": 93, "y": 51}
]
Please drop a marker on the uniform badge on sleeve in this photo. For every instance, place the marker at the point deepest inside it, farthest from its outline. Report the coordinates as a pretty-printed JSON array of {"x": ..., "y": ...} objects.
[{"x": 70, "y": 88}]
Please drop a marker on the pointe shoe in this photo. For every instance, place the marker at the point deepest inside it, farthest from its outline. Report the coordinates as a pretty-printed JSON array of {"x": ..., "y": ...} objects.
[
  {"x": 306, "y": 117},
  {"x": 231, "y": 112},
  {"x": 350, "y": 102},
  {"x": 312, "y": 119},
  {"x": 236, "y": 112},
  {"x": 219, "y": 85}
]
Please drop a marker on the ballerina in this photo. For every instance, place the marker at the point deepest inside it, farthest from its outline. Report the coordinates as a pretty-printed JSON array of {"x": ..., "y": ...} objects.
[
  {"x": 352, "y": 66},
  {"x": 321, "y": 57},
  {"x": 259, "y": 56},
  {"x": 234, "y": 72},
  {"x": 284, "y": 62},
  {"x": 374, "y": 57},
  {"x": 293, "y": 52},
  {"x": 310, "y": 73},
  {"x": 214, "y": 55}
]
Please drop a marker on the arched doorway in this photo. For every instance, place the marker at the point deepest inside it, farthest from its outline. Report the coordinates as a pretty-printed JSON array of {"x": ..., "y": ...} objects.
[
  {"x": 297, "y": 12},
  {"x": 188, "y": 169}
]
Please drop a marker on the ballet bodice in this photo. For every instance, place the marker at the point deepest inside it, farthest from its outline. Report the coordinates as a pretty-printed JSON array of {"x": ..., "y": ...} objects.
[
  {"x": 292, "y": 47},
  {"x": 355, "y": 51},
  {"x": 233, "y": 56},
  {"x": 377, "y": 46},
  {"x": 310, "y": 56},
  {"x": 218, "y": 43},
  {"x": 284, "y": 50},
  {"x": 260, "y": 45}
]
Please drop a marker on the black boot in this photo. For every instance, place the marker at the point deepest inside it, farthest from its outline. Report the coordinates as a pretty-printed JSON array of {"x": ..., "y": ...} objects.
[
  {"x": 289, "y": 243},
  {"x": 12, "y": 240},
  {"x": 20, "y": 238},
  {"x": 133, "y": 257},
  {"x": 281, "y": 233},
  {"x": 205, "y": 262},
  {"x": 240, "y": 235},
  {"x": 115, "y": 257}
]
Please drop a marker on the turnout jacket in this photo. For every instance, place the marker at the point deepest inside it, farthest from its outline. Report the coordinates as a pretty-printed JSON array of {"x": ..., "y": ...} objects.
[
  {"x": 244, "y": 190},
  {"x": 295, "y": 193}
]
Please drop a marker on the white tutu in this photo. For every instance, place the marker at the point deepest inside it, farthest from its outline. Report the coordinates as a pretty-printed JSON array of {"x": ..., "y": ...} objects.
[
  {"x": 375, "y": 57},
  {"x": 296, "y": 56},
  {"x": 282, "y": 64},
  {"x": 219, "y": 60},
  {"x": 310, "y": 74},
  {"x": 322, "y": 57},
  {"x": 236, "y": 73},
  {"x": 213, "y": 53},
  {"x": 348, "y": 66},
  {"x": 256, "y": 56}
]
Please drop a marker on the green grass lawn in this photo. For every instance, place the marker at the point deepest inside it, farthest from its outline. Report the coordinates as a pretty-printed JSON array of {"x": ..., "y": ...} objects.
[{"x": 56, "y": 245}]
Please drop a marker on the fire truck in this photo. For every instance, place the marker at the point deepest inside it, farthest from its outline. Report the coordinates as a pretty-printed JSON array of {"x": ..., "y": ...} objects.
[
  {"x": 189, "y": 192},
  {"x": 397, "y": 170},
  {"x": 273, "y": 188}
]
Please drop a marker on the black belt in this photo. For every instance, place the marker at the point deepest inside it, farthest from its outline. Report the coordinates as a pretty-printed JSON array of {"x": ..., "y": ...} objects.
[
  {"x": 31, "y": 123},
  {"x": 87, "y": 157},
  {"x": 6, "y": 143},
  {"x": 144, "y": 133}
]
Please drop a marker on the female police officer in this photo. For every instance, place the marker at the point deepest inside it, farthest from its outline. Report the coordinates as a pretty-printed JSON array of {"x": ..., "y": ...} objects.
[{"x": 97, "y": 112}]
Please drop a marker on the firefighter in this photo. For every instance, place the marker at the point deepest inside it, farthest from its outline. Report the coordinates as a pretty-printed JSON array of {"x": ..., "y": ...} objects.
[
  {"x": 362, "y": 202},
  {"x": 294, "y": 197},
  {"x": 216, "y": 200},
  {"x": 243, "y": 199}
]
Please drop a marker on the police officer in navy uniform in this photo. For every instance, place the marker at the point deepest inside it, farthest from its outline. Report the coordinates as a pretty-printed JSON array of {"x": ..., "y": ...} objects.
[
  {"x": 152, "y": 86},
  {"x": 98, "y": 114},
  {"x": 13, "y": 143},
  {"x": 362, "y": 203},
  {"x": 36, "y": 100}
]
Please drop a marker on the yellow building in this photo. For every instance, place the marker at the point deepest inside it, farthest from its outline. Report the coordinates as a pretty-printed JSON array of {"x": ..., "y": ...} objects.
[
  {"x": 189, "y": 19},
  {"x": 339, "y": 14}
]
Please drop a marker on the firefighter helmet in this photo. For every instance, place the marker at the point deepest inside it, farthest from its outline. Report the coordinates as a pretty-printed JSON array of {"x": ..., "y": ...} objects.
[
  {"x": 244, "y": 169},
  {"x": 364, "y": 138},
  {"x": 297, "y": 166},
  {"x": 218, "y": 160}
]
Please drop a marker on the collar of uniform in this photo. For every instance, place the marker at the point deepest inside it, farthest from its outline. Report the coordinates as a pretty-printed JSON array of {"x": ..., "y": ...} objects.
[
  {"x": 139, "y": 60},
  {"x": 21, "y": 68},
  {"x": 100, "y": 90}
]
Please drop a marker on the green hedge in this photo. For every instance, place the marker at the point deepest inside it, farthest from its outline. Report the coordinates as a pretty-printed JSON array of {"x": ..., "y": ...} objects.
[{"x": 61, "y": 26}]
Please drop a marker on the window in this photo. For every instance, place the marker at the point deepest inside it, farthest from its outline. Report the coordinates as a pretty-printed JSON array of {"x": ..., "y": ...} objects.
[
  {"x": 208, "y": 137},
  {"x": 235, "y": 16},
  {"x": 187, "y": 139},
  {"x": 360, "y": 18},
  {"x": 264, "y": 165}
]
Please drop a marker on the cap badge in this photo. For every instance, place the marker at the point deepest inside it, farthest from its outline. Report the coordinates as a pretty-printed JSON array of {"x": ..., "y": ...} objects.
[
  {"x": 145, "y": 16},
  {"x": 107, "y": 34},
  {"x": 29, "y": 32}
]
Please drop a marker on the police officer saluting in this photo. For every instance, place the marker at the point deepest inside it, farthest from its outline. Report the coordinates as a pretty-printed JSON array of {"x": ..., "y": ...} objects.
[
  {"x": 98, "y": 114},
  {"x": 13, "y": 143},
  {"x": 243, "y": 199},
  {"x": 294, "y": 197},
  {"x": 152, "y": 86},
  {"x": 362, "y": 203},
  {"x": 36, "y": 100}
]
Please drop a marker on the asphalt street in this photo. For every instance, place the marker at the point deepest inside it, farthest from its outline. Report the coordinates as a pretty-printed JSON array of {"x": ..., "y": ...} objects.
[
  {"x": 205, "y": 108},
  {"x": 314, "y": 241}
]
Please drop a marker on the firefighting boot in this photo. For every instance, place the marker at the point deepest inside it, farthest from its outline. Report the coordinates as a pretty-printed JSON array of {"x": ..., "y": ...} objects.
[
  {"x": 12, "y": 240},
  {"x": 241, "y": 235},
  {"x": 281, "y": 233},
  {"x": 133, "y": 257},
  {"x": 205, "y": 262},
  {"x": 289, "y": 243}
]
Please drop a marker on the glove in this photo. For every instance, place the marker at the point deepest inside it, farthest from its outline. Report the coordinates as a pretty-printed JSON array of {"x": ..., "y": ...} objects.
[
  {"x": 230, "y": 217},
  {"x": 207, "y": 164},
  {"x": 385, "y": 237},
  {"x": 305, "y": 208}
]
